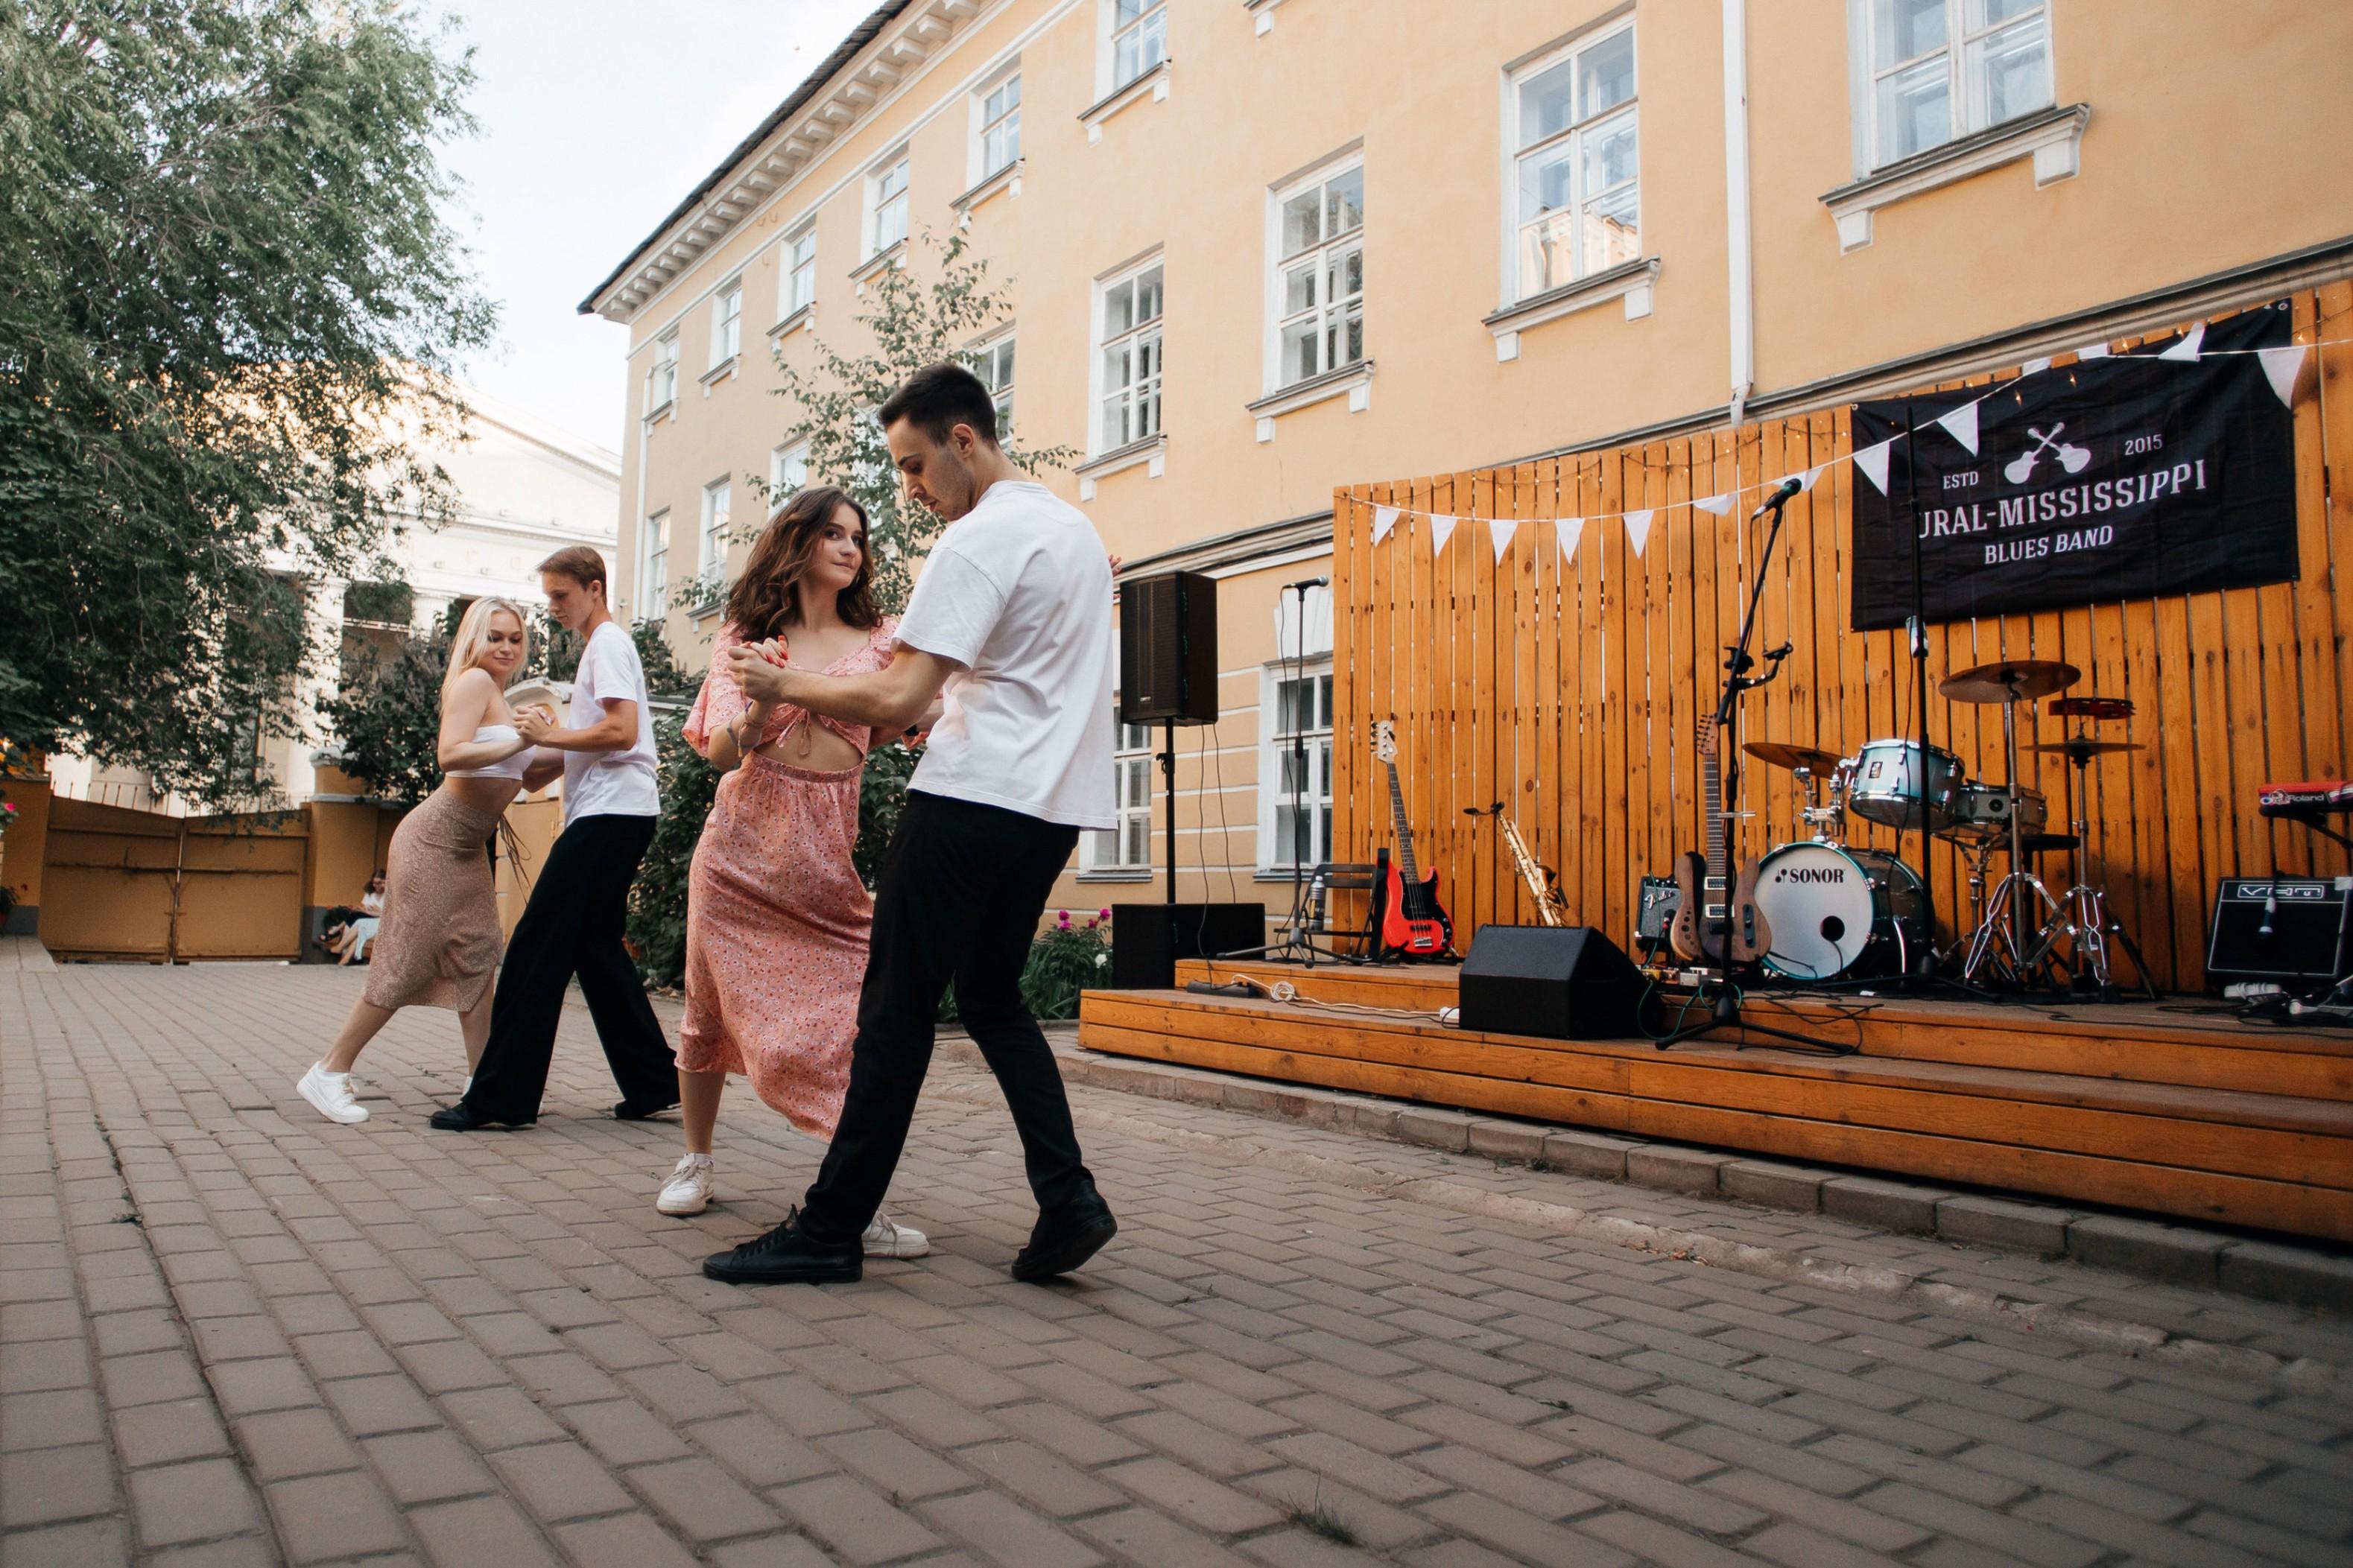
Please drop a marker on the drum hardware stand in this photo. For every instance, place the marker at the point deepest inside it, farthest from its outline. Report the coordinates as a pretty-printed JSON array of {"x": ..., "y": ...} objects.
[
  {"x": 1724, "y": 1011},
  {"x": 2082, "y": 915},
  {"x": 2010, "y": 916}
]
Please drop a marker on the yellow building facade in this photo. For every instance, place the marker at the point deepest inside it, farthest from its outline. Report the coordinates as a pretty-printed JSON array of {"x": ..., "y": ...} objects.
[{"x": 1258, "y": 249}]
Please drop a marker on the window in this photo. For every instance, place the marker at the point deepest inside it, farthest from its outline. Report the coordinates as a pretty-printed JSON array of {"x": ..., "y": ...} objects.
[
  {"x": 886, "y": 201},
  {"x": 1129, "y": 389},
  {"x": 993, "y": 363},
  {"x": 655, "y": 595},
  {"x": 1298, "y": 701},
  {"x": 1000, "y": 126},
  {"x": 1573, "y": 174},
  {"x": 662, "y": 381},
  {"x": 787, "y": 470},
  {"x": 1319, "y": 276},
  {"x": 1943, "y": 68},
  {"x": 1139, "y": 38},
  {"x": 727, "y": 322},
  {"x": 717, "y": 497},
  {"x": 1127, "y": 847},
  {"x": 796, "y": 279}
]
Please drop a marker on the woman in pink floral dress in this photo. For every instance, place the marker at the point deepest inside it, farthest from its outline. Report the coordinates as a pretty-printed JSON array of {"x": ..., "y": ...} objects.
[{"x": 776, "y": 918}]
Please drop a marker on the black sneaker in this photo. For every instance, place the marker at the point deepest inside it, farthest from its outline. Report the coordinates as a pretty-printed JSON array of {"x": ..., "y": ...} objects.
[
  {"x": 642, "y": 1109},
  {"x": 1067, "y": 1238},
  {"x": 463, "y": 1118},
  {"x": 785, "y": 1256}
]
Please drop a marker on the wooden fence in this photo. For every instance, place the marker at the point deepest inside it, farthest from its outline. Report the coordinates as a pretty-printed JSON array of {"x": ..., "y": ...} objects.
[{"x": 1570, "y": 690}]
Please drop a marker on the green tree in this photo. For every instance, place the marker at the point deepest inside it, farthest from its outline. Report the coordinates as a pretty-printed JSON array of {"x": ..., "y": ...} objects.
[{"x": 228, "y": 307}]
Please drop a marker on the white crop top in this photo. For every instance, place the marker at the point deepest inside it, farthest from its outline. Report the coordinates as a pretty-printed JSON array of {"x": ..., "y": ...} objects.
[{"x": 512, "y": 768}]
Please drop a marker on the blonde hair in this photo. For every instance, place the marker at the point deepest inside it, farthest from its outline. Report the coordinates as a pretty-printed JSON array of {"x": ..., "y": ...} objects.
[{"x": 474, "y": 631}]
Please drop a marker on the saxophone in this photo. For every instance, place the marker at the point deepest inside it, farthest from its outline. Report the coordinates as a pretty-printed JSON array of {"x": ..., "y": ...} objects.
[{"x": 1551, "y": 903}]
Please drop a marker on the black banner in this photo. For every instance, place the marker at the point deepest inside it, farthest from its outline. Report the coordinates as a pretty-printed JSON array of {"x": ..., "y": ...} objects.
[{"x": 2123, "y": 478}]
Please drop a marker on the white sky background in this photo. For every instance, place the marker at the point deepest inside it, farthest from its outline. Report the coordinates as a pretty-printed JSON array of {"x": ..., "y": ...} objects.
[{"x": 597, "y": 118}]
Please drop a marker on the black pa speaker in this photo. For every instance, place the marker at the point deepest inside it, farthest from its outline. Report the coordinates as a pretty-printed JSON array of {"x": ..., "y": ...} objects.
[
  {"x": 1168, "y": 650},
  {"x": 1562, "y": 983},
  {"x": 1146, "y": 939},
  {"x": 2290, "y": 930}
]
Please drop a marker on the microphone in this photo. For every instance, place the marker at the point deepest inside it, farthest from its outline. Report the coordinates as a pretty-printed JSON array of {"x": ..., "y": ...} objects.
[
  {"x": 1309, "y": 582},
  {"x": 1789, "y": 487}
]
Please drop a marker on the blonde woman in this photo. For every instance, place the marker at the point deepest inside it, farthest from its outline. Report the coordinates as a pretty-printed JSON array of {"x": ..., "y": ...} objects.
[{"x": 438, "y": 943}]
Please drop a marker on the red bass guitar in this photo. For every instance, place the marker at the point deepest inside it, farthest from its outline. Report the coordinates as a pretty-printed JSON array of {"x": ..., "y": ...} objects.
[{"x": 1414, "y": 924}]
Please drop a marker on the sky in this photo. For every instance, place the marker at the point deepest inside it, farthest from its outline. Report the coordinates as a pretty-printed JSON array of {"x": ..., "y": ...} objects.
[{"x": 596, "y": 117}]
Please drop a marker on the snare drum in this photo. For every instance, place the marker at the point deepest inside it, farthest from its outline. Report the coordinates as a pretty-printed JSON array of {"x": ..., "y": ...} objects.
[
  {"x": 1834, "y": 912},
  {"x": 1982, "y": 811},
  {"x": 1887, "y": 786}
]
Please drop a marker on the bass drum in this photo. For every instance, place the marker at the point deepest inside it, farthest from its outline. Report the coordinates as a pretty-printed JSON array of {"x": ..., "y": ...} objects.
[{"x": 1837, "y": 913}]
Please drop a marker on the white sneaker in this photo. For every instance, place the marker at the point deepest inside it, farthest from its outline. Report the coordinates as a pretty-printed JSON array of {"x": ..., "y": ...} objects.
[
  {"x": 688, "y": 1190},
  {"x": 885, "y": 1239},
  {"x": 331, "y": 1093}
]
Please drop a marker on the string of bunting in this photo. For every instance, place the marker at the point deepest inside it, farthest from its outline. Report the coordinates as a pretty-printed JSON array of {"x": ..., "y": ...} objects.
[{"x": 2281, "y": 367}]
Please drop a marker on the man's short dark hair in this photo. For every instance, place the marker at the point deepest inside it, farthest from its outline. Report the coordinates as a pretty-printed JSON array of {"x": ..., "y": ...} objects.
[
  {"x": 581, "y": 563},
  {"x": 939, "y": 397}
]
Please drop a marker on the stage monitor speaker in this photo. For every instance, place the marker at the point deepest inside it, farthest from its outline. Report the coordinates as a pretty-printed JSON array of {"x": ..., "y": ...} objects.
[
  {"x": 2291, "y": 931},
  {"x": 1561, "y": 983},
  {"x": 1168, "y": 650},
  {"x": 1146, "y": 939}
]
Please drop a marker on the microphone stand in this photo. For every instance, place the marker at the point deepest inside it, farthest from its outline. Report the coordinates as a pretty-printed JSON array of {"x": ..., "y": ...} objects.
[{"x": 1928, "y": 971}]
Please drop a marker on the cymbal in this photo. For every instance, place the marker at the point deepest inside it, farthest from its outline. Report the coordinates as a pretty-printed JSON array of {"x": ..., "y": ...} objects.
[
  {"x": 2080, "y": 747},
  {"x": 1781, "y": 755},
  {"x": 2025, "y": 678}
]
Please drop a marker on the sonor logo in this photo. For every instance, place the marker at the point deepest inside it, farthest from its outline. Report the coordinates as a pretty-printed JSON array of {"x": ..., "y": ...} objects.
[{"x": 1815, "y": 874}]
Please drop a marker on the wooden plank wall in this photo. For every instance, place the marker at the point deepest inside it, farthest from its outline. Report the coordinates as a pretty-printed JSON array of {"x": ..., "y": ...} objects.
[{"x": 1570, "y": 688}]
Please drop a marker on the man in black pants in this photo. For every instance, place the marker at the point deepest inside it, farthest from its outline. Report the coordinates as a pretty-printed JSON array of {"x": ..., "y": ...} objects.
[
  {"x": 574, "y": 921},
  {"x": 1010, "y": 623}
]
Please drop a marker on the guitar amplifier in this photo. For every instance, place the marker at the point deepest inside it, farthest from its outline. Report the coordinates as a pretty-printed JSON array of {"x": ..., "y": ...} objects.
[
  {"x": 2291, "y": 931},
  {"x": 1656, "y": 899}
]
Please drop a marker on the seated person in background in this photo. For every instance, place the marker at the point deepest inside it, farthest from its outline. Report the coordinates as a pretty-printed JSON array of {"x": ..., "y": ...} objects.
[{"x": 349, "y": 930}]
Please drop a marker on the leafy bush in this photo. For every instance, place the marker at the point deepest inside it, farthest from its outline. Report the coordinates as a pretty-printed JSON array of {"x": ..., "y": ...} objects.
[
  {"x": 1063, "y": 962},
  {"x": 657, "y": 927}
]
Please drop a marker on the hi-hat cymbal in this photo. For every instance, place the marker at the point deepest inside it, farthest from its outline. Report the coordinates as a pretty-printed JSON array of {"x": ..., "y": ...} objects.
[
  {"x": 2024, "y": 678},
  {"x": 1781, "y": 755},
  {"x": 2081, "y": 747}
]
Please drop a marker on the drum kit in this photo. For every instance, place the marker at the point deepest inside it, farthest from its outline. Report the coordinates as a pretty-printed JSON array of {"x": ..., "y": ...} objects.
[{"x": 1844, "y": 911}]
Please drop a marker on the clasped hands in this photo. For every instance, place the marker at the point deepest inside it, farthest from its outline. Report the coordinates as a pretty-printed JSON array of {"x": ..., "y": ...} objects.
[
  {"x": 535, "y": 723},
  {"x": 760, "y": 669}
]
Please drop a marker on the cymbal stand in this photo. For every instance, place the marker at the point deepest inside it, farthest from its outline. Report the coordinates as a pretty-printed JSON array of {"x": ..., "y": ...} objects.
[
  {"x": 2008, "y": 925},
  {"x": 2081, "y": 914}
]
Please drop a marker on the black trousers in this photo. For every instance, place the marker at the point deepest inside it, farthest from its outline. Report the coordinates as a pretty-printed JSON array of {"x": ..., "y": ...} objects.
[
  {"x": 961, "y": 891},
  {"x": 573, "y": 925}
]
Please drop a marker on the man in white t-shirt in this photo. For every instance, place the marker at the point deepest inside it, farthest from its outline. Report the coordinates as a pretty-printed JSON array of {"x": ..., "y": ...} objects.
[
  {"x": 1010, "y": 624},
  {"x": 579, "y": 900}
]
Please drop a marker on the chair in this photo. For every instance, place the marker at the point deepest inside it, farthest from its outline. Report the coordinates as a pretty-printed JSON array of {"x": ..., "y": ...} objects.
[{"x": 1334, "y": 875}]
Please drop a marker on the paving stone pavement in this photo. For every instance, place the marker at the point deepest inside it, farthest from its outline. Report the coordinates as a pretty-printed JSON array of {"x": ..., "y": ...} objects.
[{"x": 231, "y": 1333}]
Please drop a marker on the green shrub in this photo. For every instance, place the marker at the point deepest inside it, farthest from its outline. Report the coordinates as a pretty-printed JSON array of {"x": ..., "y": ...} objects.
[{"x": 1064, "y": 961}]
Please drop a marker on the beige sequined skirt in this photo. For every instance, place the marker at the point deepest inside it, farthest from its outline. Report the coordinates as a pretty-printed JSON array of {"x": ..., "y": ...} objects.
[{"x": 440, "y": 943}]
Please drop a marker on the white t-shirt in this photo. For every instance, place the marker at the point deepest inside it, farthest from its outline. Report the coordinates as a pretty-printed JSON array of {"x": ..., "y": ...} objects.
[
  {"x": 1018, "y": 591},
  {"x": 618, "y": 783}
]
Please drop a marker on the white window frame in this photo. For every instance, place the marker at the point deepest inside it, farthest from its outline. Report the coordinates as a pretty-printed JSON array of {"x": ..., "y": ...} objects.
[
  {"x": 653, "y": 591},
  {"x": 711, "y": 544},
  {"x": 1966, "y": 108},
  {"x": 1318, "y": 256},
  {"x": 661, "y": 376},
  {"x": 727, "y": 322},
  {"x": 1006, "y": 120},
  {"x": 1137, "y": 337},
  {"x": 1275, "y": 747},
  {"x": 1571, "y": 140},
  {"x": 788, "y": 471},
  {"x": 886, "y": 210},
  {"x": 993, "y": 360},
  {"x": 1148, "y": 28},
  {"x": 796, "y": 271},
  {"x": 1128, "y": 846}
]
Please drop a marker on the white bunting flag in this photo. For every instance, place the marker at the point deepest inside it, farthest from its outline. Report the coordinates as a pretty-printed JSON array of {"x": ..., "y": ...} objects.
[
  {"x": 1872, "y": 462},
  {"x": 1962, "y": 423},
  {"x": 2281, "y": 367},
  {"x": 1638, "y": 527},
  {"x": 2093, "y": 351},
  {"x": 2035, "y": 367},
  {"x": 1572, "y": 529},
  {"x": 2186, "y": 351},
  {"x": 1384, "y": 519},
  {"x": 1499, "y": 530},
  {"x": 1806, "y": 481},
  {"x": 1716, "y": 504},
  {"x": 1441, "y": 529}
]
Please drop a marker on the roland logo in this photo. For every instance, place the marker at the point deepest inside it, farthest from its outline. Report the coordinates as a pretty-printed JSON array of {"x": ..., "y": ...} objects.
[{"x": 1813, "y": 874}]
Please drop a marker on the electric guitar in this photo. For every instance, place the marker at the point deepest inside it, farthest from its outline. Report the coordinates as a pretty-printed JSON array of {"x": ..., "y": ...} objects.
[
  {"x": 1413, "y": 923},
  {"x": 1717, "y": 919}
]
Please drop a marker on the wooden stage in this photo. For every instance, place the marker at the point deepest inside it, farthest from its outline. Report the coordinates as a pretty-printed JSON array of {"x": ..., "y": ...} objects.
[{"x": 2160, "y": 1109}]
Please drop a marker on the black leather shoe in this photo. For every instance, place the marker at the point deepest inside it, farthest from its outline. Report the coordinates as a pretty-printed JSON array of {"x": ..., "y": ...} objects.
[
  {"x": 463, "y": 1118},
  {"x": 641, "y": 1109},
  {"x": 785, "y": 1256},
  {"x": 1067, "y": 1238}
]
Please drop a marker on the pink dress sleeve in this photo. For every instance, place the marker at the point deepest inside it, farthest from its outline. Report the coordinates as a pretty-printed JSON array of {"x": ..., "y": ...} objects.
[{"x": 721, "y": 701}]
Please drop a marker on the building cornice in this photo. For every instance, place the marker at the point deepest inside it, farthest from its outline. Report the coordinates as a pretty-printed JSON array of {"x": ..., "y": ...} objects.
[{"x": 1242, "y": 547}]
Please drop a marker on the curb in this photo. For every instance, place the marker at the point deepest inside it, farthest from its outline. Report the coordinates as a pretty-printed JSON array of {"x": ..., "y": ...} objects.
[{"x": 2134, "y": 1245}]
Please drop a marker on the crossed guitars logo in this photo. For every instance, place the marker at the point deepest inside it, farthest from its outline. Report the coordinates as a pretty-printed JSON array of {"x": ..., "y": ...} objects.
[{"x": 2072, "y": 457}]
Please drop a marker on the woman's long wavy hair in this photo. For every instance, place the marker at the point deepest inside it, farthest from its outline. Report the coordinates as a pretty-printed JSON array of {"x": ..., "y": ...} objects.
[{"x": 768, "y": 595}]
